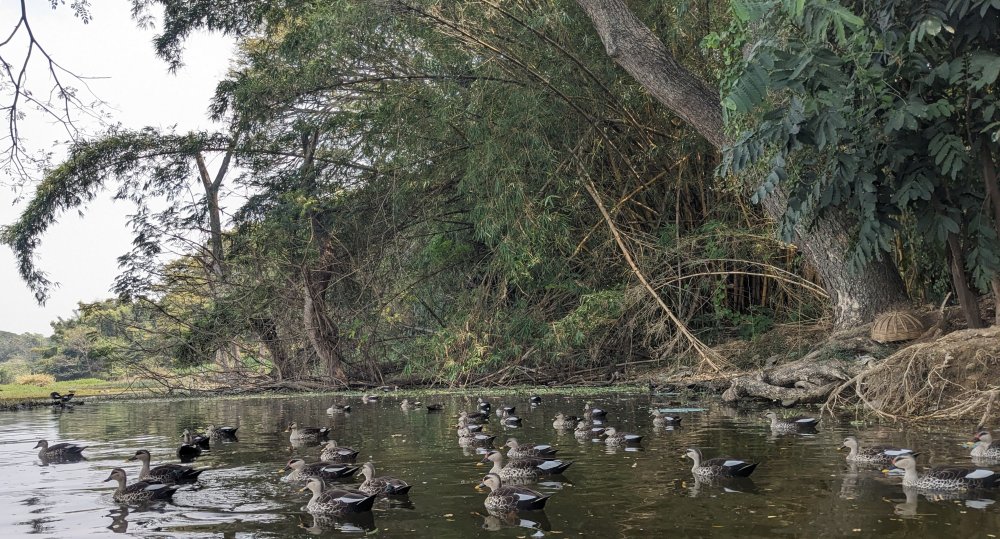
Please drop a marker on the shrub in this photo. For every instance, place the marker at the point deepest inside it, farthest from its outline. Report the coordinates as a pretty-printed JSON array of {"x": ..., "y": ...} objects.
[{"x": 40, "y": 380}]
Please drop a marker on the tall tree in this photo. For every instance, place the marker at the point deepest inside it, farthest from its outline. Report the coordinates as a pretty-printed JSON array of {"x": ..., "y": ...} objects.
[{"x": 827, "y": 244}]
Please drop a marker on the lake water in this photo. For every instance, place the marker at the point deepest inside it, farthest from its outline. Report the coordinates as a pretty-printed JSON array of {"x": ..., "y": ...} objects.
[{"x": 802, "y": 488}]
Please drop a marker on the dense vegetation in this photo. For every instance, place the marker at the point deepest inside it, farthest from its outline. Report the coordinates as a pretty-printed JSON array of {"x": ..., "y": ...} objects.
[{"x": 474, "y": 192}]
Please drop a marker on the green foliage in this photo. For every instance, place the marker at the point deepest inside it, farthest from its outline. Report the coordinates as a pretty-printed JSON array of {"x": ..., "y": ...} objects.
[
  {"x": 418, "y": 197},
  {"x": 888, "y": 110}
]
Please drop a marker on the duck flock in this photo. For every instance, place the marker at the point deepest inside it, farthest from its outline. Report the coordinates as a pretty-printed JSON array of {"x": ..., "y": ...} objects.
[{"x": 522, "y": 464}]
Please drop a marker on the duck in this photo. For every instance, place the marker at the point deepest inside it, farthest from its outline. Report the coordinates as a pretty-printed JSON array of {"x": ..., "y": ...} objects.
[
  {"x": 333, "y": 453},
  {"x": 985, "y": 447},
  {"x": 564, "y": 422},
  {"x": 590, "y": 413},
  {"x": 188, "y": 452},
  {"x": 509, "y": 420},
  {"x": 952, "y": 479},
  {"x": 791, "y": 424},
  {"x": 62, "y": 400},
  {"x": 483, "y": 405},
  {"x": 518, "y": 451},
  {"x": 467, "y": 438},
  {"x": 435, "y": 407},
  {"x": 381, "y": 485},
  {"x": 506, "y": 498},
  {"x": 59, "y": 451},
  {"x": 307, "y": 434},
  {"x": 140, "y": 491},
  {"x": 336, "y": 501},
  {"x": 583, "y": 431},
  {"x": 164, "y": 473},
  {"x": 221, "y": 432},
  {"x": 613, "y": 437},
  {"x": 470, "y": 416},
  {"x": 528, "y": 468},
  {"x": 192, "y": 438},
  {"x": 534, "y": 400},
  {"x": 338, "y": 409},
  {"x": 463, "y": 421},
  {"x": 662, "y": 420},
  {"x": 407, "y": 405},
  {"x": 719, "y": 467},
  {"x": 879, "y": 454},
  {"x": 369, "y": 399},
  {"x": 327, "y": 471},
  {"x": 503, "y": 409}
]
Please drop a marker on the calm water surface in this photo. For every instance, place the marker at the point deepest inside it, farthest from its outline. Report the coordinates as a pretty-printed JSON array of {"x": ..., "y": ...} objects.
[{"x": 803, "y": 487}]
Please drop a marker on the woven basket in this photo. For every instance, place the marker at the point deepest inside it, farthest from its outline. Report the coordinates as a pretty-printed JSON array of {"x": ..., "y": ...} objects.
[{"x": 897, "y": 326}]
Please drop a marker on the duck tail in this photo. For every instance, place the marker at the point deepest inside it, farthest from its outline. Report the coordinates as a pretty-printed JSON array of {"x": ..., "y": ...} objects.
[
  {"x": 745, "y": 471},
  {"x": 366, "y": 504}
]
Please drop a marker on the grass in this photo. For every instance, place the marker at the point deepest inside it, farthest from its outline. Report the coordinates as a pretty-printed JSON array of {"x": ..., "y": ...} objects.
[{"x": 83, "y": 388}]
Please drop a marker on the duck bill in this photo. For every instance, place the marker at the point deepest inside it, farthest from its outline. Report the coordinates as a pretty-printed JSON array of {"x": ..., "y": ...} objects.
[
  {"x": 39, "y": 444},
  {"x": 130, "y": 459},
  {"x": 481, "y": 486}
]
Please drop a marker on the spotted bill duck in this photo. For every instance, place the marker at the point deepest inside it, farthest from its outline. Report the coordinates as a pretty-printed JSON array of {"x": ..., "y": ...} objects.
[
  {"x": 534, "y": 400},
  {"x": 504, "y": 499},
  {"x": 59, "y": 451},
  {"x": 528, "y": 468},
  {"x": 334, "y": 453},
  {"x": 953, "y": 479},
  {"x": 661, "y": 419},
  {"x": 307, "y": 434},
  {"x": 509, "y": 420},
  {"x": 792, "y": 424},
  {"x": 140, "y": 491},
  {"x": 221, "y": 432},
  {"x": 164, "y": 473},
  {"x": 590, "y": 413},
  {"x": 483, "y": 405},
  {"x": 985, "y": 447},
  {"x": 719, "y": 467},
  {"x": 879, "y": 454},
  {"x": 386, "y": 485},
  {"x": 326, "y": 471},
  {"x": 518, "y": 450},
  {"x": 336, "y": 501},
  {"x": 338, "y": 409},
  {"x": 564, "y": 422},
  {"x": 613, "y": 437},
  {"x": 194, "y": 438}
]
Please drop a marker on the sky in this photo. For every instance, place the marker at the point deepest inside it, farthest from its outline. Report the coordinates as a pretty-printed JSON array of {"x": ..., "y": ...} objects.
[{"x": 80, "y": 253}]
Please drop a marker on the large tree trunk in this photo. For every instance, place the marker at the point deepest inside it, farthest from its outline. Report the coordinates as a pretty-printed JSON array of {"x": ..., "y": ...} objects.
[
  {"x": 267, "y": 332},
  {"x": 324, "y": 335},
  {"x": 993, "y": 194},
  {"x": 633, "y": 46}
]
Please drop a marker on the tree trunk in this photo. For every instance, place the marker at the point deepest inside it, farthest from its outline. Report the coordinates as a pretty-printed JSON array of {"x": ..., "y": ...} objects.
[
  {"x": 993, "y": 195},
  {"x": 324, "y": 335},
  {"x": 267, "y": 332},
  {"x": 966, "y": 297},
  {"x": 826, "y": 246}
]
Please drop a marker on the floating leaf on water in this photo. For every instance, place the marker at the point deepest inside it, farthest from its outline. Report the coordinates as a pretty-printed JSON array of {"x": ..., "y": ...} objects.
[{"x": 679, "y": 410}]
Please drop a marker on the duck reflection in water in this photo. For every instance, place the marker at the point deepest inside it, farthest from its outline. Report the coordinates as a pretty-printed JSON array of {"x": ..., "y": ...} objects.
[
  {"x": 909, "y": 508},
  {"x": 348, "y": 523},
  {"x": 119, "y": 519},
  {"x": 710, "y": 486},
  {"x": 495, "y": 521}
]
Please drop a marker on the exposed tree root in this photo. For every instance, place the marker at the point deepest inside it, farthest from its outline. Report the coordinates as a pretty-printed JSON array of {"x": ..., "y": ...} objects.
[{"x": 799, "y": 382}]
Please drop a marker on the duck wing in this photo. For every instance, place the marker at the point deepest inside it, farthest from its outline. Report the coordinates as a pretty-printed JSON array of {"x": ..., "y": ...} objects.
[{"x": 522, "y": 497}]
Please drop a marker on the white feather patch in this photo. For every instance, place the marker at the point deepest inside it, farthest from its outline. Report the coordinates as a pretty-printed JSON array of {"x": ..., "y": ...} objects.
[
  {"x": 524, "y": 497},
  {"x": 549, "y": 464},
  {"x": 897, "y": 452},
  {"x": 807, "y": 420},
  {"x": 543, "y": 447},
  {"x": 733, "y": 462},
  {"x": 979, "y": 474}
]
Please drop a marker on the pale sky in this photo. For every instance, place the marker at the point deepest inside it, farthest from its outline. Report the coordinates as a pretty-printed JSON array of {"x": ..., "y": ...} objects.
[{"x": 80, "y": 253}]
